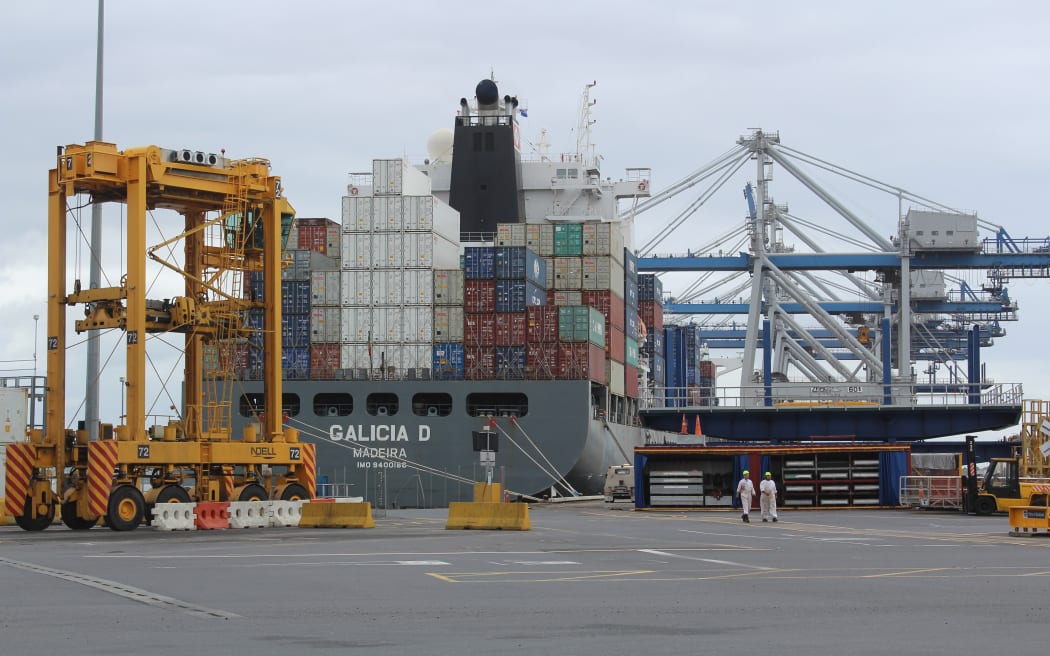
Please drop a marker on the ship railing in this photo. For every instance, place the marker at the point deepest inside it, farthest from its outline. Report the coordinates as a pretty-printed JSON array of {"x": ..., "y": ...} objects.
[
  {"x": 837, "y": 395},
  {"x": 335, "y": 490}
]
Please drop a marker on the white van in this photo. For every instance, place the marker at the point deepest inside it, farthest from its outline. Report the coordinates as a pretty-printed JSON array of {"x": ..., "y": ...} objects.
[{"x": 619, "y": 483}]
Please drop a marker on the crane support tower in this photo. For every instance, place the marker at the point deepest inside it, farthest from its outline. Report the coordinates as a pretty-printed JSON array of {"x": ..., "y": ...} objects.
[{"x": 234, "y": 223}]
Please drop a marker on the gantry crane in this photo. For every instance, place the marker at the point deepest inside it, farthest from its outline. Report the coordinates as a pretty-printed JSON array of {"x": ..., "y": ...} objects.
[{"x": 234, "y": 221}]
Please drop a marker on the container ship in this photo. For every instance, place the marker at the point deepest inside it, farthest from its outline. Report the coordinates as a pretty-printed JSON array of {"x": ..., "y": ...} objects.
[{"x": 482, "y": 290}]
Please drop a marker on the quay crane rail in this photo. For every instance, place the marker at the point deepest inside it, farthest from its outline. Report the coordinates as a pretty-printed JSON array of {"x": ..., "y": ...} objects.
[{"x": 234, "y": 221}]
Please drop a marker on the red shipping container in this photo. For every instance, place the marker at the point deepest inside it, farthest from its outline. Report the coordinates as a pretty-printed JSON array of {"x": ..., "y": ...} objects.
[
  {"x": 510, "y": 329},
  {"x": 324, "y": 355},
  {"x": 630, "y": 381},
  {"x": 652, "y": 314},
  {"x": 234, "y": 356},
  {"x": 608, "y": 304},
  {"x": 581, "y": 361},
  {"x": 542, "y": 324},
  {"x": 614, "y": 345},
  {"x": 479, "y": 329},
  {"x": 479, "y": 362},
  {"x": 479, "y": 296},
  {"x": 707, "y": 369},
  {"x": 313, "y": 237},
  {"x": 541, "y": 361}
]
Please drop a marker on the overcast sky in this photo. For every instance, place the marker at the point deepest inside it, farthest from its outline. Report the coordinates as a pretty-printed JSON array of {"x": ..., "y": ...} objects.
[{"x": 947, "y": 99}]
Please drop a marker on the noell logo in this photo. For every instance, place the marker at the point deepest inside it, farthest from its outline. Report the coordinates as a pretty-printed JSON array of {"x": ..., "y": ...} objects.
[{"x": 267, "y": 452}]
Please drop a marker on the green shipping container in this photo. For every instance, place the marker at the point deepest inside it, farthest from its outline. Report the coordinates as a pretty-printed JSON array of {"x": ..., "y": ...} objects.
[
  {"x": 581, "y": 323},
  {"x": 568, "y": 239},
  {"x": 630, "y": 352},
  {"x": 596, "y": 334}
]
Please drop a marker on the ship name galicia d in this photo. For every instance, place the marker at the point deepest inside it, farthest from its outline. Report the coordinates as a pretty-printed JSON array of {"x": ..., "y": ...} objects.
[{"x": 376, "y": 433}]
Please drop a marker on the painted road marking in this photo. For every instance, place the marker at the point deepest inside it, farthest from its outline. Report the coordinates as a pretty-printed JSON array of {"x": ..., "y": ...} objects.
[
  {"x": 706, "y": 560},
  {"x": 126, "y": 591}
]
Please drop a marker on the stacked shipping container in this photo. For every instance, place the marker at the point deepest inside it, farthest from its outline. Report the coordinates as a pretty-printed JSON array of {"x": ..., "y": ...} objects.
[{"x": 391, "y": 244}]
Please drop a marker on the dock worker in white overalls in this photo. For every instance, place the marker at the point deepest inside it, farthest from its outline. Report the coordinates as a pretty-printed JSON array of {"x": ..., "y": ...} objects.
[
  {"x": 745, "y": 489},
  {"x": 768, "y": 499}
]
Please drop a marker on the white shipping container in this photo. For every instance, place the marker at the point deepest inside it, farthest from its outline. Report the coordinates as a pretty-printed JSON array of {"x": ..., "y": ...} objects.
[
  {"x": 510, "y": 234},
  {"x": 13, "y": 406},
  {"x": 332, "y": 241},
  {"x": 325, "y": 288},
  {"x": 602, "y": 273},
  {"x": 540, "y": 238},
  {"x": 398, "y": 177},
  {"x": 417, "y": 323},
  {"x": 417, "y": 355},
  {"x": 387, "y": 324},
  {"x": 614, "y": 374},
  {"x": 418, "y": 287},
  {"x": 603, "y": 239},
  {"x": 387, "y": 250},
  {"x": 446, "y": 221},
  {"x": 391, "y": 358},
  {"x": 386, "y": 286},
  {"x": 387, "y": 213},
  {"x": 568, "y": 273},
  {"x": 419, "y": 249},
  {"x": 448, "y": 287},
  {"x": 356, "y": 250},
  {"x": 418, "y": 213},
  {"x": 355, "y": 356},
  {"x": 355, "y": 324},
  {"x": 355, "y": 287},
  {"x": 446, "y": 253},
  {"x": 325, "y": 324},
  {"x": 448, "y": 323},
  {"x": 357, "y": 213}
]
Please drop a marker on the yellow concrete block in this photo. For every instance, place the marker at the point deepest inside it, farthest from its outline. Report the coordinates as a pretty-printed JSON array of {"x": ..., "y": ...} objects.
[
  {"x": 337, "y": 515},
  {"x": 1029, "y": 519},
  {"x": 490, "y": 492},
  {"x": 488, "y": 516}
]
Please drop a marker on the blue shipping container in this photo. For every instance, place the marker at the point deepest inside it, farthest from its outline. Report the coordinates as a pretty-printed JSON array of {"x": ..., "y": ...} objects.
[
  {"x": 630, "y": 293},
  {"x": 479, "y": 262},
  {"x": 630, "y": 264},
  {"x": 630, "y": 323},
  {"x": 448, "y": 361},
  {"x": 650, "y": 288},
  {"x": 517, "y": 295},
  {"x": 510, "y": 362},
  {"x": 295, "y": 358},
  {"x": 520, "y": 263},
  {"x": 295, "y": 330}
]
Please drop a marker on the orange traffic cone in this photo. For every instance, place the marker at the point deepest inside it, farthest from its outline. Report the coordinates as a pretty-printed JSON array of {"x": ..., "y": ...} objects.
[
  {"x": 698, "y": 432},
  {"x": 685, "y": 426}
]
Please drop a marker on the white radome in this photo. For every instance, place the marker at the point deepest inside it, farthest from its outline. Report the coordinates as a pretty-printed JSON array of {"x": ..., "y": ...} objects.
[{"x": 439, "y": 146}]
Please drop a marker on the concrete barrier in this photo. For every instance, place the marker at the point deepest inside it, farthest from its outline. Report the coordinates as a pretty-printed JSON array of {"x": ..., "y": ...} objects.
[
  {"x": 488, "y": 516},
  {"x": 249, "y": 514},
  {"x": 336, "y": 515},
  {"x": 174, "y": 517},
  {"x": 285, "y": 513},
  {"x": 212, "y": 515}
]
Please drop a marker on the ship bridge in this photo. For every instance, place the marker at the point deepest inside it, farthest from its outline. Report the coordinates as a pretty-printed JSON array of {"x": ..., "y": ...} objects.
[{"x": 824, "y": 321}]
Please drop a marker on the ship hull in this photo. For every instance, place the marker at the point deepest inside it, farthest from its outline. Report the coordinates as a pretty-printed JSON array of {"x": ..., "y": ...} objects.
[{"x": 408, "y": 458}]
